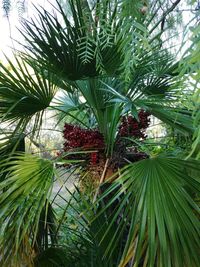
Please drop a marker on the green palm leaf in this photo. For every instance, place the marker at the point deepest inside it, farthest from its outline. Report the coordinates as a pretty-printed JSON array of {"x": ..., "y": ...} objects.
[
  {"x": 158, "y": 211},
  {"x": 25, "y": 189},
  {"x": 10, "y": 143},
  {"x": 80, "y": 43},
  {"x": 24, "y": 93},
  {"x": 70, "y": 108},
  {"x": 177, "y": 117}
]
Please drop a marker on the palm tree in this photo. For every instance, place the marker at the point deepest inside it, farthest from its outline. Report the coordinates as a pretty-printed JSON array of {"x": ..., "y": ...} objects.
[{"x": 107, "y": 66}]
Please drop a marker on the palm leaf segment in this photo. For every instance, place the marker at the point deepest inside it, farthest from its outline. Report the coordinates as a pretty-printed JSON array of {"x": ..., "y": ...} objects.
[
  {"x": 25, "y": 190},
  {"x": 154, "y": 202}
]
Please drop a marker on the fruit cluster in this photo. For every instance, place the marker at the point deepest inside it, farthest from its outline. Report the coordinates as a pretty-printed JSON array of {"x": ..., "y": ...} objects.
[
  {"x": 83, "y": 138},
  {"x": 131, "y": 127},
  {"x": 77, "y": 137}
]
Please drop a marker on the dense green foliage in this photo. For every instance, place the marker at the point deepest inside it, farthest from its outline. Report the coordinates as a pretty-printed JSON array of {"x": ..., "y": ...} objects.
[{"x": 105, "y": 63}]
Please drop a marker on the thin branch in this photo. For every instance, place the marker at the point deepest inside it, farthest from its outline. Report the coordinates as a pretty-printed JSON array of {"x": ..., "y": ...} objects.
[
  {"x": 165, "y": 15},
  {"x": 187, "y": 10}
]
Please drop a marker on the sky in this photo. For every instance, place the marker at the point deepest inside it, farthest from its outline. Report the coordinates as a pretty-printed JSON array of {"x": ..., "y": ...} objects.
[{"x": 10, "y": 27}]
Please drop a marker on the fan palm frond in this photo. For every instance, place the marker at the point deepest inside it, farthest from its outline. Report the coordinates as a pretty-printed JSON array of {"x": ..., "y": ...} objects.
[
  {"x": 70, "y": 108},
  {"x": 80, "y": 44},
  {"x": 10, "y": 143},
  {"x": 178, "y": 118},
  {"x": 155, "y": 212},
  {"x": 25, "y": 190},
  {"x": 24, "y": 94}
]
